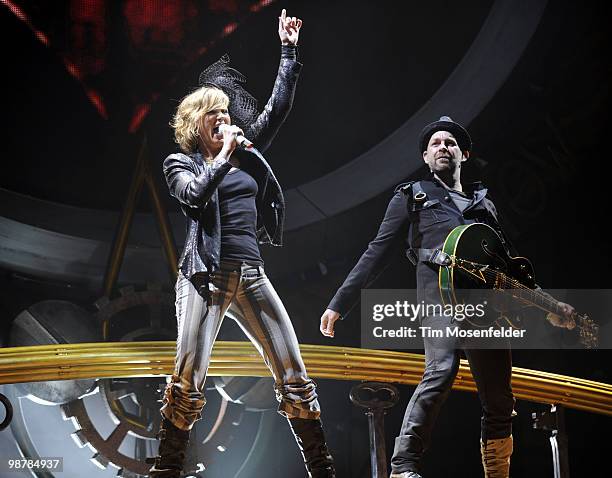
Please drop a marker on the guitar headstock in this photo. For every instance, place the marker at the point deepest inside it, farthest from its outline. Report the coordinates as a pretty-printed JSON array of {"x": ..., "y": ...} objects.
[{"x": 589, "y": 331}]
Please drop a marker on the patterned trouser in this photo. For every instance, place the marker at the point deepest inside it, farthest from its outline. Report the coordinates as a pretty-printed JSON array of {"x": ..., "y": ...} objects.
[{"x": 263, "y": 318}]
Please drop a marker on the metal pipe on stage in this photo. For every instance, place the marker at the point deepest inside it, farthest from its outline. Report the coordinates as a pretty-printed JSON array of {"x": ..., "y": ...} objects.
[
  {"x": 141, "y": 359},
  {"x": 163, "y": 223},
  {"x": 123, "y": 229}
]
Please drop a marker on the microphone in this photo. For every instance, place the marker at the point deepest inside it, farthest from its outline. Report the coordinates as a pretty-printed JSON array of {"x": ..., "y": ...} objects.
[{"x": 241, "y": 140}]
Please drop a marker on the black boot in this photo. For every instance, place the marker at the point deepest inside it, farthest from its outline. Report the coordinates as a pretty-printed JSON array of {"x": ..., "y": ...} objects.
[
  {"x": 171, "y": 454},
  {"x": 311, "y": 440}
]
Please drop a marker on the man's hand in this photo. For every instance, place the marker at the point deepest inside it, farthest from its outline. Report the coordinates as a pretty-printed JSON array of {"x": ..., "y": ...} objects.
[
  {"x": 288, "y": 29},
  {"x": 328, "y": 319},
  {"x": 566, "y": 320}
]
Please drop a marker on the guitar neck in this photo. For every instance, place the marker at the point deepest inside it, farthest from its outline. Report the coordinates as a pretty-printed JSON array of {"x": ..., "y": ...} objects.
[{"x": 535, "y": 297}]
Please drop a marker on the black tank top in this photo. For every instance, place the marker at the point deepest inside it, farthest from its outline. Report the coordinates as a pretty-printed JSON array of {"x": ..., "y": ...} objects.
[{"x": 237, "y": 193}]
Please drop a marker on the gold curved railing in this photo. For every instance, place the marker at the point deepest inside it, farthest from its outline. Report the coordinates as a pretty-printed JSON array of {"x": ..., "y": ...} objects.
[{"x": 141, "y": 359}]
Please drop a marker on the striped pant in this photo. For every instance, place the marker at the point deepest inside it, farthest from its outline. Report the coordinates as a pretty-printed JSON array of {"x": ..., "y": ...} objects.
[{"x": 263, "y": 318}]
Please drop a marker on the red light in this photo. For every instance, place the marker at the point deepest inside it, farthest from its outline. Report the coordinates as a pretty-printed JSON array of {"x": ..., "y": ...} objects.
[
  {"x": 229, "y": 29},
  {"x": 42, "y": 37},
  {"x": 142, "y": 111},
  {"x": 18, "y": 12},
  {"x": 97, "y": 101},
  {"x": 72, "y": 69},
  {"x": 259, "y": 5}
]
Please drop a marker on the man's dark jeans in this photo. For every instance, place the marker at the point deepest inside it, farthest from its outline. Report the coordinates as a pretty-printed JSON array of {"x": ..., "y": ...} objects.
[{"x": 492, "y": 371}]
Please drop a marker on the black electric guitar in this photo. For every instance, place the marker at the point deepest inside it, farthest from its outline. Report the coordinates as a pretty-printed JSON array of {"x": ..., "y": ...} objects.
[{"x": 477, "y": 259}]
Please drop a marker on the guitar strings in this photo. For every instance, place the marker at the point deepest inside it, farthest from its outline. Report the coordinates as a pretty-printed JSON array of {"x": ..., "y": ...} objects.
[
  {"x": 587, "y": 327},
  {"x": 507, "y": 280}
]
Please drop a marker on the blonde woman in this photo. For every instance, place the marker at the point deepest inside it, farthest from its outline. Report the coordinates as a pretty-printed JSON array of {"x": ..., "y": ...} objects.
[{"x": 233, "y": 203}]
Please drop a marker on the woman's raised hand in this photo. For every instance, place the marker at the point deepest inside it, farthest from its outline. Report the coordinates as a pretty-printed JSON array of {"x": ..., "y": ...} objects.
[{"x": 288, "y": 28}]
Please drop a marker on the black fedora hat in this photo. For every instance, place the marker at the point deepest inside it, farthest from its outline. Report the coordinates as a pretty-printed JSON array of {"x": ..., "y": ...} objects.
[{"x": 445, "y": 123}]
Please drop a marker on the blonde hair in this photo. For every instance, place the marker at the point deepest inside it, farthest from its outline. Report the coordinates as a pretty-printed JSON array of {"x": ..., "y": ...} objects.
[{"x": 187, "y": 120}]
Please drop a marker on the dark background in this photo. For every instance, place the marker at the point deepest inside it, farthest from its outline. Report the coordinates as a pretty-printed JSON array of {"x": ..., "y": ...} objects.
[{"x": 541, "y": 145}]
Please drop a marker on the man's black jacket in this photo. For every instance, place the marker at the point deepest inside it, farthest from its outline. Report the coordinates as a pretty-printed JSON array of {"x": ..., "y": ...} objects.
[
  {"x": 413, "y": 224},
  {"x": 194, "y": 183}
]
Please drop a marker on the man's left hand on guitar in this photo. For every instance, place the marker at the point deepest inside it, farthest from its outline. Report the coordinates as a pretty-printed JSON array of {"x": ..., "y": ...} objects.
[{"x": 567, "y": 320}]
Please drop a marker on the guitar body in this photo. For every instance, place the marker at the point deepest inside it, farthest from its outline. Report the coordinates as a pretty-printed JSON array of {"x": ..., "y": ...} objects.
[{"x": 479, "y": 244}]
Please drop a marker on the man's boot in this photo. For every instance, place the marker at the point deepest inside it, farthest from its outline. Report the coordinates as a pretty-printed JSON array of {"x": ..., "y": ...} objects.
[
  {"x": 405, "y": 474},
  {"x": 496, "y": 457},
  {"x": 311, "y": 441},
  {"x": 171, "y": 454}
]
